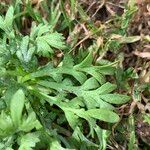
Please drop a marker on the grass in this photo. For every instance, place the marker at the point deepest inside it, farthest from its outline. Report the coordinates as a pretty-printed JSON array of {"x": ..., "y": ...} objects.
[{"x": 70, "y": 78}]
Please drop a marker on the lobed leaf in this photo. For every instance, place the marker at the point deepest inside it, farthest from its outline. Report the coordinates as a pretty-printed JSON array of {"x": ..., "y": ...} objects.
[
  {"x": 16, "y": 107},
  {"x": 115, "y": 98},
  {"x": 103, "y": 114}
]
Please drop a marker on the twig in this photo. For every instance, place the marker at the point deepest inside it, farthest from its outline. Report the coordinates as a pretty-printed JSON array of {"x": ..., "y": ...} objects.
[{"x": 103, "y": 2}]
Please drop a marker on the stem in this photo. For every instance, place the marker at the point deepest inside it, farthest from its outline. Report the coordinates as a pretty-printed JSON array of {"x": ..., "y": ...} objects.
[{"x": 20, "y": 14}]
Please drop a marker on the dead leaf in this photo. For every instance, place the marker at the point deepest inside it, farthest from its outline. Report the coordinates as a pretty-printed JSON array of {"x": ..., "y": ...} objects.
[
  {"x": 142, "y": 54},
  {"x": 36, "y": 1},
  {"x": 147, "y": 107},
  {"x": 123, "y": 39},
  {"x": 99, "y": 41}
]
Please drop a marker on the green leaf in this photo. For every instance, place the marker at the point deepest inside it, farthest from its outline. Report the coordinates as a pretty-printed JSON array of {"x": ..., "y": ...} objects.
[
  {"x": 49, "y": 70},
  {"x": 95, "y": 71},
  {"x": 79, "y": 76},
  {"x": 25, "y": 53},
  {"x": 55, "y": 40},
  {"x": 76, "y": 102},
  {"x": 68, "y": 61},
  {"x": 80, "y": 113},
  {"x": 30, "y": 123},
  {"x": 43, "y": 29},
  {"x": 43, "y": 48},
  {"x": 7, "y": 143},
  {"x": 72, "y": 119},
  {"x": 115, "y": 98},
  {"x": 98, "y": 76},
  {"x": 9, "y": 17},
  {"x": 132, "y": 144},
  {"x": 46, "y": 42},
  {"x": 83, "y": 142},
  {"x": 6, "y": 24},
  {"x": 90, "y": 84},
  {"x": 92, "y": 100},
  {"x": 91, "y": 97},
  {"x": 2, "y": 23},
  {"x": 55, "y": 145},
  {"x": 102, "y": 136},
  {"x": 16, "y": 107},
  {"x": 28, "y": 141},
  {"x": 147, "y": 118},
  {"x": 106, "y": 88},
  {"x": 55, "y": 14},
  {"x": 98, "y": 71},
  {"x": 34, "y": 30},
  {"x": 103, "y": 114},
  {"x": 6, "y": 125},
  {"x": 86, "y": 62}
]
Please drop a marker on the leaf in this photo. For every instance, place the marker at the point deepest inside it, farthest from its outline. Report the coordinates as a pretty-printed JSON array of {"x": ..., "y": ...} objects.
[
  {"x": 132, "y": 3},
  {"x": 43, "y": 48},
  {"x": 102, "y": 136},
  {"x": 90, "y": 84},
  {"x": 92, "y": 100},
  {"x": 9, "y": 17},
  {"x": 7, "y": 143},
  {"x": 142, "y": 54},
  {"x": 34, "y": 30},
  {"x": 106, "y": 88},
  {"x": 55, "y": 14},
  {"x": 6, "y": 125},
  {"x": 82, "y": 140},
  {"x": 86, "y": 62},
  {"x": 95, "y": 71},
  {"x": 30, "y": 123},
  {"x": 132, "y": 134},
  {"x": 80, "y": 113},
  {"x": 6, "y": 24},
  {"x": 16, "y": 107},
  {"x": 79, "y": 76},
  {"x": 28, "y": 141},
  {"x": 55, "y": 145},
  {"x": 127, "y": 15},
  {"x": 72, "y": 119},
  {"x": 76, "y": 102},
  {"x": 130, "y": 39},
  {"x": 115, "y": 98},
  {"x": 43, "y": 29},
  {"x": 49, "y": 70},
  {"x": 11, "y": 90},
  {"x": 68, "y": 61},
  {"x": 91, "y": 97},
  {"x": 147, "y": 118},
  {"x": 98, "y": 76},
  {"x": 46, "y": 42},
  {"x": 2, "y": 23},
  {"x": 103, "y": 114},
  {"x": 98, "y": 71},
  {"x": 55, "y": 40},
  {"x": 25, "y": 53}
]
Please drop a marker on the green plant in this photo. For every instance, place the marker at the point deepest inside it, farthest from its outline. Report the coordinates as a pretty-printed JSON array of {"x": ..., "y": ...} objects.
[{"x": 37, "y": 101}]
